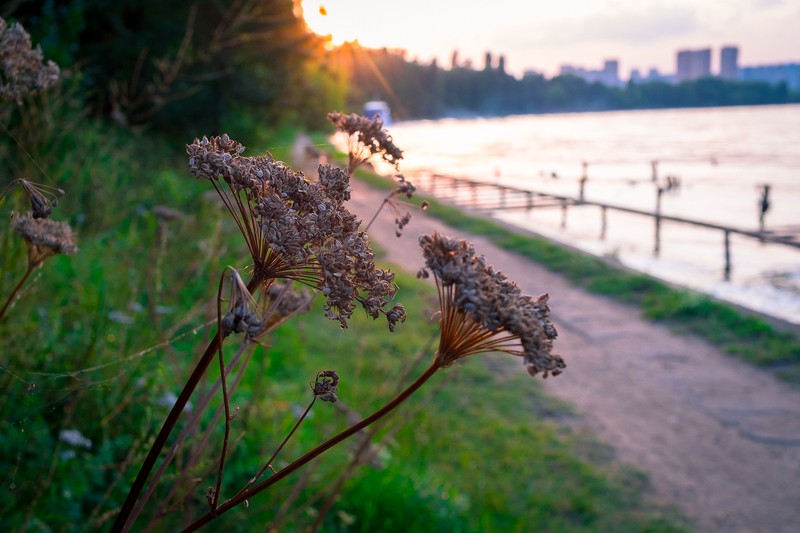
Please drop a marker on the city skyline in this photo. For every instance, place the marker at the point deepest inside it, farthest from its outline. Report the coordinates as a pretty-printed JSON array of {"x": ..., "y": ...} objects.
[{"x": 542, "y": 36}]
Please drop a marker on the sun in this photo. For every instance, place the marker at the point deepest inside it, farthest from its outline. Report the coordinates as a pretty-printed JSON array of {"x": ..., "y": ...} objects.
[{"x": 340, "y": 20}]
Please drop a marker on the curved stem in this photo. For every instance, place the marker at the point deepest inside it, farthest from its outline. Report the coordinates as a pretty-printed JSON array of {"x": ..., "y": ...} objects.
[
  {"x": 121, "y": 523},
  {"x": 15, "y": 291},
  {"x": 319, "y": 450},
  {"x": 268, "y": 464},
  {"x": 225, "y": 399}
]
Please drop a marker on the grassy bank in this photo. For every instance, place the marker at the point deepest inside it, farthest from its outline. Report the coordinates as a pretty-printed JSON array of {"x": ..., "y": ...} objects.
[{"x": 744, "y": 335}]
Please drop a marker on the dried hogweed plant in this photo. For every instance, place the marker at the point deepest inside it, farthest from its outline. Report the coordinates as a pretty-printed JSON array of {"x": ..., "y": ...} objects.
[
  {"x": 295, "y": 230},
  {"x": 298, "y": 231},
  {"x": 23, "y": 72},
  {"x": 43, "y": 238},
  {"x": 367, "y": 137}
]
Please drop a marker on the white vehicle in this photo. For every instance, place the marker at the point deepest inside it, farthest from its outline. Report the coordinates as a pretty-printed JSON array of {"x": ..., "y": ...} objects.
[{"x": 380, "y": 109}]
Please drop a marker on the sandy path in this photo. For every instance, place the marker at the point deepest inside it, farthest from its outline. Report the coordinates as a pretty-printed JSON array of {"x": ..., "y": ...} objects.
[{"x": 719, "y": 439}]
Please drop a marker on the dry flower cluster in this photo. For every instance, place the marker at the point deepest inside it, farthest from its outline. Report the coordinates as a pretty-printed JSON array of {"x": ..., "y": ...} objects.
[
  {"x": 23, "y": 69},
  {"x": 366, "y": 139},
  {"x": 482, "y": 310},
  {"x": 298, "y": 229},
  {"x": 44, "y": 237}
]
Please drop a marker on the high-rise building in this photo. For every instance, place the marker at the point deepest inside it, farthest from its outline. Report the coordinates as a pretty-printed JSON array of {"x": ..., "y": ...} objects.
[
  {"x": 729, "y": 63},
  {"x": 693, "y": 64},
  {"x": 608, "y": 75}
]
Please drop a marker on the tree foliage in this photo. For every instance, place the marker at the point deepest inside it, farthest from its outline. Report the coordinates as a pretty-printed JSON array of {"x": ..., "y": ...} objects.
[{"x": 185, "y": 66}]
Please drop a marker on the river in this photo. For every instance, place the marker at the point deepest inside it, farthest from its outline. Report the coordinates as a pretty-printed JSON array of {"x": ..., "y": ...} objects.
[{"x": 721, "y": 157}]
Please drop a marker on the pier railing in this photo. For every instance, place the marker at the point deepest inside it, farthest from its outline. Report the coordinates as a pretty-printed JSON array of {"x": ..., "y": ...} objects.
[{"x": 486, "y": 196}]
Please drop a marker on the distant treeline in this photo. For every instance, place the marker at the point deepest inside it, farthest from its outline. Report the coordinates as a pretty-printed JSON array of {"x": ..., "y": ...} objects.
[
  {"x": 208, "y": 66},
  {"x": 416, "y": 90}
]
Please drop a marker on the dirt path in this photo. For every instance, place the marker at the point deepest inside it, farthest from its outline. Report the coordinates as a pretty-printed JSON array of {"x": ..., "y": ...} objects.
[{"x": 719, "y": 439}]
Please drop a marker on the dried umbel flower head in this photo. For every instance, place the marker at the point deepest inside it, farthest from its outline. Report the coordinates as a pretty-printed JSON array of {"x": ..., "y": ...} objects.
[
  {"x": 44, "y": 237},
  {"x": 295, "y": 228},
  {"x": 483, "y": 311},
  {"x": 366, "y": 138},
  {"x": 23, "y": 70},
  {"x": 326, "y": 386}
]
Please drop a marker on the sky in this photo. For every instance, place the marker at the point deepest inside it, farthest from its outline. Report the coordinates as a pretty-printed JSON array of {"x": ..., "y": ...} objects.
[{"x": 542, "y": 35}]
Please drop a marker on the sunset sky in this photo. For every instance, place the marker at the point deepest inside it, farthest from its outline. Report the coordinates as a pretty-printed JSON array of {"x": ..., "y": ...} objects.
[{"x": 542, "y": 35}]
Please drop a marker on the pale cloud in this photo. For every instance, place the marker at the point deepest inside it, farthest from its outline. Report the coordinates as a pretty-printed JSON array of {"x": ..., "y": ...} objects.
[{"x": 630, "y": 24}]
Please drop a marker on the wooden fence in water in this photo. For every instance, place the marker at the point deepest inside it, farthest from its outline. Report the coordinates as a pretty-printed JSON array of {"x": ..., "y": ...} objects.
[{"x": 485, "y": 196}]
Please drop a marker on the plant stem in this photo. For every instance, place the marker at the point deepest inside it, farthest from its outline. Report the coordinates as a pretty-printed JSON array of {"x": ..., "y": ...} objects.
[
  {"x": 225, "y": 399},
  {"x": 378, "y": 212},
  {"x": 121, "y": 525},
  {"x": 268, "y": 464},
  {"x": 319, "y": 450},
  {"x": 15, "y": 291},
  {"x": 227, "y": 404}
]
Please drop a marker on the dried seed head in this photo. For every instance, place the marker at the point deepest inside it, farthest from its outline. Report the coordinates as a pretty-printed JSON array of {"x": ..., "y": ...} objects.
[
  {"x": 326, "y": 386},
  {"x": 44, "y": 237},
  {"x": 295, "y": 228},
  {"x": 367, "y": 138},
  {"x": 23, "y": 69},
  {"x": 482, "y": 310},
  {"x": 396, "y": 314}
]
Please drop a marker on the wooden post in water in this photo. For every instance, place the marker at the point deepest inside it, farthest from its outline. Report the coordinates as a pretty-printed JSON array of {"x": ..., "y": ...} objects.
[
  {"x": 763, "y": 206},
  {"x": 727, "y": 255},
  {"x": 563, "y": 214},
  {"x": 529, "y": 203},
  {"x": 584, "y": 179},
  {"x": 657, "y": 247},
  {"x": 502, "y": 197},
  {"x": 603, "y": 222}
]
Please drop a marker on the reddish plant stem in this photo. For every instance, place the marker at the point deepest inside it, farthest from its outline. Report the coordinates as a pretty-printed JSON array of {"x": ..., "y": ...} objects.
[
  {"x": 268, "y": 464},
  {"x": 225, "y": 399},
  {"x": 121, "y": 525},
  {"x": 319, "y": 450},
  {"x": 15, "y": 291}
]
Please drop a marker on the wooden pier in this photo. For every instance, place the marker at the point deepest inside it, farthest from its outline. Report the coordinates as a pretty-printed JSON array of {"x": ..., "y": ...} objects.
[{"x": 485, "y": 196}]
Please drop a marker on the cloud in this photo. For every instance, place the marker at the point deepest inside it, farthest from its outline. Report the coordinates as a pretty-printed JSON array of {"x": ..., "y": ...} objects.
[{"x": 630, "y": 24}]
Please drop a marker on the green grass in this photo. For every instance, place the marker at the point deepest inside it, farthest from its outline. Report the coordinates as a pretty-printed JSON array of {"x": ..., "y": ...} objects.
[{"x": 746, "y": 336}]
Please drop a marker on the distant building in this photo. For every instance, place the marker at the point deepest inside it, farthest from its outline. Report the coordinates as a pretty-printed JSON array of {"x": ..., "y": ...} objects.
[
  {"x": 693, "y": 64},
  {"x": 788, "y": 73},
  {"x": 729, "y": 63},
  {"x": 608, "y": 75}
]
